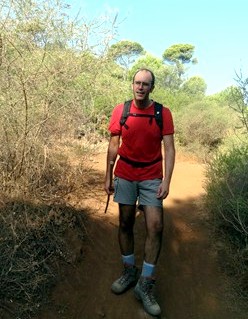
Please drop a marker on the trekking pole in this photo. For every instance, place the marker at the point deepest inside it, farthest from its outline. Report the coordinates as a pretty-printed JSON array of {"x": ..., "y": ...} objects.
[{"x": 111, "y": 163}]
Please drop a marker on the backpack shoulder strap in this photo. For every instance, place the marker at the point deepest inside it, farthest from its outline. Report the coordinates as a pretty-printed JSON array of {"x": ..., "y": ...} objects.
[
  {"x": 158, "y": 108},
  {"x": 125, "y": 112}
]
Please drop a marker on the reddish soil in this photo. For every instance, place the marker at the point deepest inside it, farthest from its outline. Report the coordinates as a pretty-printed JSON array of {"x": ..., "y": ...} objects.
[{"x": 190, "y": 283}]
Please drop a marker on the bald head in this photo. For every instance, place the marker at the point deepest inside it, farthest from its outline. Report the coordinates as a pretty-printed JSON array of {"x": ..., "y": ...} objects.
[{"x": 146, "y": 71}]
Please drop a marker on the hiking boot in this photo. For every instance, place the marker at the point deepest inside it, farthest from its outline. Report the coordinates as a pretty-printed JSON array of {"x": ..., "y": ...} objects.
[
  {"x": 127, "y": 280},
  {"x": 144, "y": 291}
]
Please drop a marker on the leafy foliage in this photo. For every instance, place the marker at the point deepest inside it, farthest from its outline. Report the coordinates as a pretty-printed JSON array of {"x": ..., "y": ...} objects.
[
  {"x": 226, "y": 199},
  {"x": 180, "y": 53},
  {"x": 227, "y": 193},
  {"x": 240, "y": 98},
  {"x": 202, "y": 124},
  {"x": 195, "y": 86},
  {"x": 125, "y": 52},
  {"x": 228, "y": 184}
]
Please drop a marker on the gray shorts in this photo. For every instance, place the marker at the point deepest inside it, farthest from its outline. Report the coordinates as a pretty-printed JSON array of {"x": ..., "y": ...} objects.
[{"x": 141, "y": 192}]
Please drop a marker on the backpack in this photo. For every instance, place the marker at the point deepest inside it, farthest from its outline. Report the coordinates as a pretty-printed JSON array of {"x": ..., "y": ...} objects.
[{"x": 157, "y": 114}]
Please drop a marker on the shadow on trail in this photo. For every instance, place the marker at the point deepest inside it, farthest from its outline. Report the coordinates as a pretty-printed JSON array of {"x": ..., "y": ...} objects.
[{"x": 189, "y": 284}]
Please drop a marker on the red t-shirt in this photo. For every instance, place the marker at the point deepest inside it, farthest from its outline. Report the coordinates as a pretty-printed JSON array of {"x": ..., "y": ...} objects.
[{"x": 141, "y": 142}]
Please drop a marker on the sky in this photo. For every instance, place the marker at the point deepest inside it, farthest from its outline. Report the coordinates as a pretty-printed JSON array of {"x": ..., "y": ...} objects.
[{"x": 218, "y": 29}]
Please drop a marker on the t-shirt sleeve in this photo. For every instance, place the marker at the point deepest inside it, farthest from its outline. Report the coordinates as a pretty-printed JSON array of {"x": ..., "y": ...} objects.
[
  {"x": 168, "y": 125},
  {"x": 114, "y": 124}
]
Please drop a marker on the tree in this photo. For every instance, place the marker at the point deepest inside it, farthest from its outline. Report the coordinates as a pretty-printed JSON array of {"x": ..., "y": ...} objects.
[
  {"x": 240, "y": 98},
  {"x": 125, "y": 52},
  {"x": 178, "y": 55},
  {"x": 195, "y": 86},
  {"x": 45, "y": 85}
]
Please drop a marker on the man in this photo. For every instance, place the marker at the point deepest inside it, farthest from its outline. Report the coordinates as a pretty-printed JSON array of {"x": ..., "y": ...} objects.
[{"x": 139, "y": 181}]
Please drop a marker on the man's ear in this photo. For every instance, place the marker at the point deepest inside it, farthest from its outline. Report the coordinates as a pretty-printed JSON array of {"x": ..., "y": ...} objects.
[{"x": 152, "y": 88}]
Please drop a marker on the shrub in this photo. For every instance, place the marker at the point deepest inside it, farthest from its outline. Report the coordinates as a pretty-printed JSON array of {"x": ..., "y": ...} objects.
[
  {"x": 227, "y": 190},
  {"x": 202, "y": 123},
  {"x": 33, "y": 247},
  {"x": 226, "y": 200}
]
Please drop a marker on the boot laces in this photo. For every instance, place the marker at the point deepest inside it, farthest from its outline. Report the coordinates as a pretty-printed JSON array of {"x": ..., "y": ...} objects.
[
  {"x": 125, "y": 275},
  {"x": 149, "y": 292}
]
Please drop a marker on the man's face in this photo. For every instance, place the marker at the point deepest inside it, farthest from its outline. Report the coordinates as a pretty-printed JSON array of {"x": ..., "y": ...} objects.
[{"x": 142, "y": 85}]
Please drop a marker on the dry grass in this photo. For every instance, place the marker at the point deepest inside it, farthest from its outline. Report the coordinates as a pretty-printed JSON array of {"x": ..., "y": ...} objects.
[
  {"x": 33, "y": 243},
  {"x": 36, "y": 213}
]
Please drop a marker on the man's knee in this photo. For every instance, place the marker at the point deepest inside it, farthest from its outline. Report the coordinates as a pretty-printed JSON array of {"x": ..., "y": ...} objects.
[
  {"x": 127, "y": 219},
  {"x": 155, "y": 226},
  {"x": 126, "y": 225}
]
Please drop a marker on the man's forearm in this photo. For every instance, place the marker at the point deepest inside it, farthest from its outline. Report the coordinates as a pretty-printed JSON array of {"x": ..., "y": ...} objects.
[
  {"x": 169, "y": 160},
  {"x": 112, "y": 154},
  {"x": 169, "y": 164}
]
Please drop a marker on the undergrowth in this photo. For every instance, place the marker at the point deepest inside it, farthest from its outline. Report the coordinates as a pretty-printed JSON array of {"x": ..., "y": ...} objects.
[
  {"x": 37, "y": 210},
  {"x": 226, "y": 200},
  {"x": 33, "y": 246}
]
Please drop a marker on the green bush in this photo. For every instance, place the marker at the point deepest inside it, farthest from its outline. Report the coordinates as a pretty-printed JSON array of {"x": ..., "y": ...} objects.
[
  {"x": 227, "y": 201},
  {"x": 202, "y": 123},
  {"x": 227, "y": 191}
]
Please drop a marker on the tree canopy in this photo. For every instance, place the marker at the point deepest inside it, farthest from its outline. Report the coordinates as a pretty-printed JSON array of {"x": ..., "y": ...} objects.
[
  {"x": 180, "y": 53},
  {"x": 125, "y": 52},
  {"x": 195, "y": 86}
]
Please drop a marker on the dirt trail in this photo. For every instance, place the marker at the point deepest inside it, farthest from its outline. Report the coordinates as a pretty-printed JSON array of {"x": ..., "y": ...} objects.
[{"x": 190, "y": 284}]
